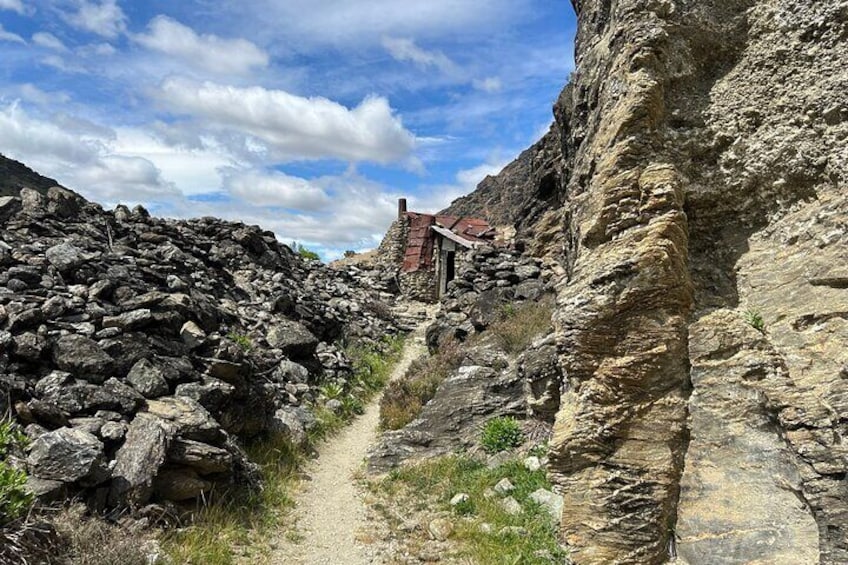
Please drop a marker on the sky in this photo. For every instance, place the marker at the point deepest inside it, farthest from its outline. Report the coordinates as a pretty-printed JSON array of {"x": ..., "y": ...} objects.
[{"x": 307, "y": 117}]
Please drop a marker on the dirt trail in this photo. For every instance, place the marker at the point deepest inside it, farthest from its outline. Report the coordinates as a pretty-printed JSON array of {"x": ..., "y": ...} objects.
[{"x": 331, "y": 516}]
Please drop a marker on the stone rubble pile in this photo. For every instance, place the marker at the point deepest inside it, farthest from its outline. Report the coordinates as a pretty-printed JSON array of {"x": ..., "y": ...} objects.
[{"x": 137, "y": 350}]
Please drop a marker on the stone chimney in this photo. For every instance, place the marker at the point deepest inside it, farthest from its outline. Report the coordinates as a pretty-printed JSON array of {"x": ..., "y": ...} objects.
[{"x": 401, "y": 207}]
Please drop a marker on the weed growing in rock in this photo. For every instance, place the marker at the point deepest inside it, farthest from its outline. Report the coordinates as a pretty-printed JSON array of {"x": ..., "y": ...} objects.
[
  {"x": 486, "y": 531},
  {"x": 501, "y": 434},
  {"x": 755, "y": 320},
  {"x": 241, "y": 340}
]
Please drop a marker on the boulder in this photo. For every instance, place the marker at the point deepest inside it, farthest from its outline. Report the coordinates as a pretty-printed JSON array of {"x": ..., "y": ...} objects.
[
  {"x": 138, "y": 461},
  {"x": 68, "y": 455},
  {"x": 191, "y": 420},
  {"x": 203, "y": 458},
  {"x": 148, "y": 379},
  {"x": 66, "y": 257},
  {"x": 293, "y": 338},
  {"x": 82, "y": 357}
]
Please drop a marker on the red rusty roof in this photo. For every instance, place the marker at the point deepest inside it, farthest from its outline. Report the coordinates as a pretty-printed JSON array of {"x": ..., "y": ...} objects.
[{"x": 422, "y": 239}]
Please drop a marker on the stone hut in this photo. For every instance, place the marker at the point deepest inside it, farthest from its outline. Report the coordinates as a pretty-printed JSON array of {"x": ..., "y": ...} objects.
[{"x": 425, "y": 249}]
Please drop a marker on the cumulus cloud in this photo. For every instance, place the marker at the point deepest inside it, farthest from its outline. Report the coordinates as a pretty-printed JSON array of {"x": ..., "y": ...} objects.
[
  {"x": 104, "y": 18},
  {"x": 80, "y": 160},
  {"x": 9, "y": 36},
  {"x": 209, "y": 52},
  {"x": 275, "y": 189},
  {"x": 13, "y": 5},
  {"x": 404, "y": 49},
  {"x": 294, "y": 127},
  {"x": 48, "y": 41}
]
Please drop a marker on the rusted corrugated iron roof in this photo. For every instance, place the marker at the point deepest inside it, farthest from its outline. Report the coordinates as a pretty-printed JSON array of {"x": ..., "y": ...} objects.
[{"x": 422, "y": 239}]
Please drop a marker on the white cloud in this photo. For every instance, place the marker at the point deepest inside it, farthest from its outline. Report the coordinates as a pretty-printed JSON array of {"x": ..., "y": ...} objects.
[
  {"x": 48, "y": 41},
  {"x": 104, "y": 18},
  {"x": 209, "y": 52},
  {"x": 275, "y": 189},
  {"x": 97, "y": 50},
  {"x": 13, "y": 5},
  {"x": 9, "y": 36},
  {"x": 293, "y": 127},
  {"x": 354, "y": 22},
  {"x": 405, "y": 49},
  {"x": 80, "y": 160},
  {"x": 60, "y": 64},
  {"x": 490, "y": 84},
  {"x": 35, "y": 95}
]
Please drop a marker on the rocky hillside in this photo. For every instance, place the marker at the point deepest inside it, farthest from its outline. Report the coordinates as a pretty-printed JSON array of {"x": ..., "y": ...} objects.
[
  {"x": 15, "y": 175},
  {"x": 699, "y": 166},
  {"x": 137, "y": 350}
]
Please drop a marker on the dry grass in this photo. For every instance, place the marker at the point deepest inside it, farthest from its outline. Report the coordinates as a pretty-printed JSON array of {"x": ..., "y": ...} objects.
[
  {"x": 515, "y": 329},
  {"x": 93, "y": 541},
  {"x": 405, "y": 397},
  {"x": 519, "y": 325}
]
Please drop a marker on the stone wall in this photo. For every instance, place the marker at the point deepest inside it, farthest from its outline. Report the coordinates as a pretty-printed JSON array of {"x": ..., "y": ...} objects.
[{"x": 419, "y": 285}]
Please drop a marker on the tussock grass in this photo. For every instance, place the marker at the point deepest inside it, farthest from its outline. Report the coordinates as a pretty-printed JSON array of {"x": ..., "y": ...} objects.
[
  {"x": 237, "y": 523},
  {"x": 519, "y": 325},
  {"x": 405, "y": 397},
  {"x": 93, "y": 541},
  {"x": 533, "y": 537}
]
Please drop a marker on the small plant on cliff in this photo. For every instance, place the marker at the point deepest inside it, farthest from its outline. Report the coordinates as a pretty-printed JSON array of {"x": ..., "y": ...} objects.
[
  {"x": 755, "y": 320},
  {"x": 501, "y": 434}
]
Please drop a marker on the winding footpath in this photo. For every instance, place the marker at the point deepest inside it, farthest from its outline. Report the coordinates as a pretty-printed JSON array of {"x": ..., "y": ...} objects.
[{"x": 331, "y": 516}]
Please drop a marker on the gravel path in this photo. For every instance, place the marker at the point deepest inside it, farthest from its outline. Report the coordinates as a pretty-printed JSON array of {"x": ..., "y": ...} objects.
[{"x": 331, "y": 516}]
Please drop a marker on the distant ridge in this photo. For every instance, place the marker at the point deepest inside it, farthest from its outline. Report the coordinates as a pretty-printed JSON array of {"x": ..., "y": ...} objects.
[{"x": 15, "y": 175}]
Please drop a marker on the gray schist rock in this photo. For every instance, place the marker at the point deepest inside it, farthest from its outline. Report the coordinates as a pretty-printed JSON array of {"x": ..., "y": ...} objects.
[
  {"x": 139, "y": 459},
  {"x": 66, "y": 257},
  {"x": 293, "y": 338},
  {"x": 68, "y": 455},
  {"x": 83, "y": 358},
  {"x": 148, "y": 379}
]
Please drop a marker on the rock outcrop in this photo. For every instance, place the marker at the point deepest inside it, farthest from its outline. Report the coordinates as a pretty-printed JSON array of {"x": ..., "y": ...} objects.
[
  {"x": 699, "y": 228},
  {"x": 136, "y": 350},
  {"x": 15, "y": 175}
]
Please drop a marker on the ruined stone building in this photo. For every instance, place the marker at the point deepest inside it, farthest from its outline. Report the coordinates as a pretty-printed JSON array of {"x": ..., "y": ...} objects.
[{"x": 426, "y": 249}]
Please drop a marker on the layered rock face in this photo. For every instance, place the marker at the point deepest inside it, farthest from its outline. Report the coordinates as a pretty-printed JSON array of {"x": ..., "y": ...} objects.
[
  {"x": 701, "y": 320},
  {"x": 136, "y": 350}
]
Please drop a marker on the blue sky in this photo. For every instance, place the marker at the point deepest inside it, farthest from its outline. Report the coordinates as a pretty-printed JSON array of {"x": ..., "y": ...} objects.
[{"x": 308, "y": 117}]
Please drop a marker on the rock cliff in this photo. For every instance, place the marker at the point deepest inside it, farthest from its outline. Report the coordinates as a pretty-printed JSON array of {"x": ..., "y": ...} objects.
[{"x": 699, "y": 221}]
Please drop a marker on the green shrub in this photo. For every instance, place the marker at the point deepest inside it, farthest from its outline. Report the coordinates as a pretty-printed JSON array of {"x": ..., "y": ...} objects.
[
  {"x": 501, "y": 434},
  {"x": 304, "y": 252},
  {"x": 15, "y": 499},
  {"x": 755, "y": 320}
]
